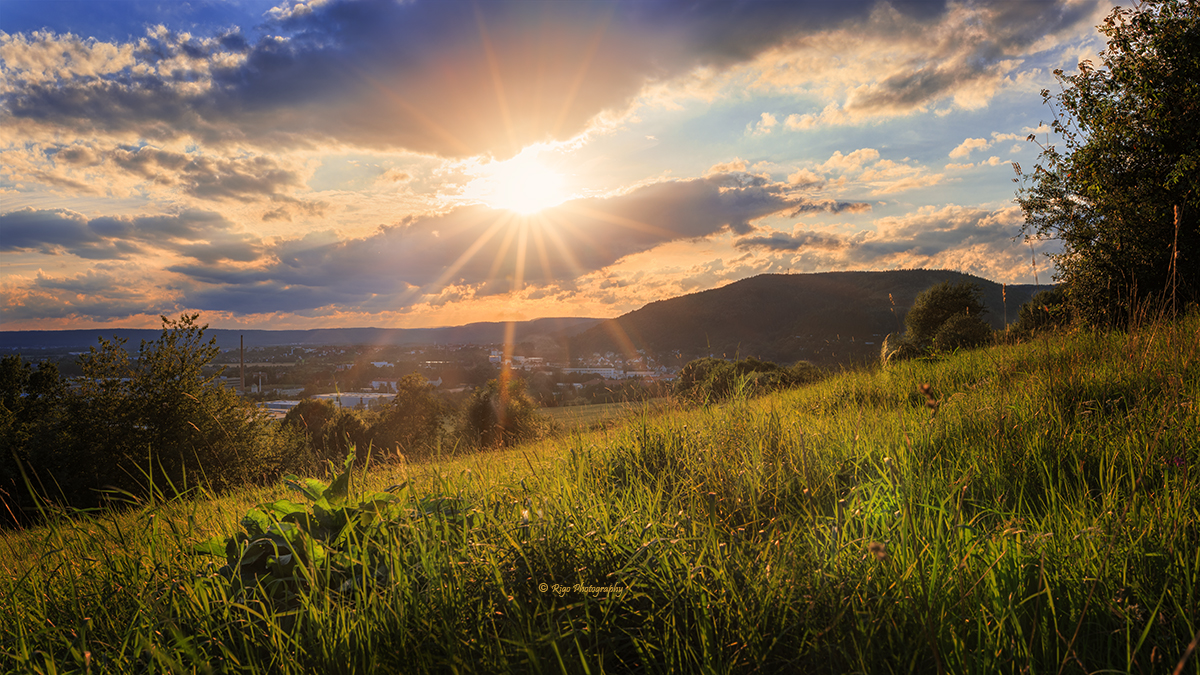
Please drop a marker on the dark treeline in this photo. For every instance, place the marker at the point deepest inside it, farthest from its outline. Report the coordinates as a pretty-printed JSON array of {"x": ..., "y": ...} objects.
[{"x": 158, "y": 422}]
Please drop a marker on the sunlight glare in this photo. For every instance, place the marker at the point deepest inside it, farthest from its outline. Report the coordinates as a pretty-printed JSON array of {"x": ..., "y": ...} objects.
[{"x": 522, "y": 184}]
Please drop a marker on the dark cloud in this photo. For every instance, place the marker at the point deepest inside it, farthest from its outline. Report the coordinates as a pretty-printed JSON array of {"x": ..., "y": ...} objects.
[
  {"x": 485, "y": 249},
  {"x": 208, "y": 177},
  {"x": 781, "y": 241},
  {"x": 205, "y": 236},
  {"x": 922, "y": 236},
  {"x": 430, "y": 77},
  {"x": 98, "y": 294},
  {"x": 973, "y": 54}
]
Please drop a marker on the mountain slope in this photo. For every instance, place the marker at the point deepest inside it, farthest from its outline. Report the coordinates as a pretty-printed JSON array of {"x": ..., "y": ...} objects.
[{"x": 827, "y": 317}]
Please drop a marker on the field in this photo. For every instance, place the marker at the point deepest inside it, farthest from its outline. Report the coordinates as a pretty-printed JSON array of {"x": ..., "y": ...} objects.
[
  {"x": 1022, "y": 508},
  {"x": 584, "y": 417}
]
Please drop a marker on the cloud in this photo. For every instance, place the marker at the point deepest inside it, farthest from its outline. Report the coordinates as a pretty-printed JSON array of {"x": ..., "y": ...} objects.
[
  {"x": 104, "y": 293},
  {"x": 477, "y": 245},
  {"x": 964, "y": 149},
  {"x": 851, "y": 162},
  {"x": 806, "y": 179},
  {"x": 418, "y": 75},
  {"x": 975, "y": 240},
  {"x": 892, "y": 63},
  {"x": 203, "y": 236},
  {"x": 242, "y": 178},
  {"x": 971, "y": 144},
  {"x": 422, "y": 76},
  {"x": 764, "y": 125},
  {"x": 476, "y": 249},
  {"x": 832, "y": 115},
  {"x": 43, "y": 57},
  {"x": 734, "y": 165}
]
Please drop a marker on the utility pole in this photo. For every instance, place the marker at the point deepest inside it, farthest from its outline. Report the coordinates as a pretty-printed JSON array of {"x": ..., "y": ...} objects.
[{"x": 243, "y": 343}]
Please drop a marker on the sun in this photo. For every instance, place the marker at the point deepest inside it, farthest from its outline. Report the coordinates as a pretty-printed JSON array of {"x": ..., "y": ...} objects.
[{"x": 523, "y": 184}]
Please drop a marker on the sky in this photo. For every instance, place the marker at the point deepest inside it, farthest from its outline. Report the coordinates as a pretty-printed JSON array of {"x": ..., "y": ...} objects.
[{"x": 337, "y": 163}]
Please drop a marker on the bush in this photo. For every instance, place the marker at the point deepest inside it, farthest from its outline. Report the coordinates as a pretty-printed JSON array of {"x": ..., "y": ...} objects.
[
  {"x": 896, "y": 348},
  {"x": 962, "y": 331},
  {"x": 412, "y": 422},
  {"x": 1046, "y": 310},
  {"x": 709, "y": 380},
  {"x": 499, "y": 415},
  {"x": 158, "y": 420},
  {"x": 936, "y": 304},
  {"x": 330, "y": 430}
]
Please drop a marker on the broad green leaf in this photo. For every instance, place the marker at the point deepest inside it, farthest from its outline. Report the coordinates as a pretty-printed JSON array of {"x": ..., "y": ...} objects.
[
  {"x": 214, "y": 546},
  {"x": 340, "y": 488},
  {"x": 256, "y": 523},
  {"x": 311, "y": 487},
  {"x": 282, "y": 507}
]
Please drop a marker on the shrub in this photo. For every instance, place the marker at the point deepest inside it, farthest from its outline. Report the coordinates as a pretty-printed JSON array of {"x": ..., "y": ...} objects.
[
  {"x": 962, "y": 331},
  {"x": 412, "y": 422},
  {"x": 708, "y": 380},
  {"x": 1046, "y": 310},
  {"x": 158, "y": 420},
  {"x": 896, "y": 348},
  {"x": 936, "y": 304},
  {"x": 499, "y": 415},
  {"x": 330, "y": 429}
]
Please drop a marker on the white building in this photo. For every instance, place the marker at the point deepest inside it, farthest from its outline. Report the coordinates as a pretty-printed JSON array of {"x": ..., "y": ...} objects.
[
  {"x": 606, "y": 373},
  {"x": 356, "y": 400}
]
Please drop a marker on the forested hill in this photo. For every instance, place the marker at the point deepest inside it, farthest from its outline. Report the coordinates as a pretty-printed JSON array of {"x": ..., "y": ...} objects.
[
  {"x": 473, "y": 333},
  {"x": 827, "y": 317}
]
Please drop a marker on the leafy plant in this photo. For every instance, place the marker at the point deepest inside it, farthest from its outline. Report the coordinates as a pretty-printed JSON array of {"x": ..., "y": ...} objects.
[{"x": 286, "y": 547}]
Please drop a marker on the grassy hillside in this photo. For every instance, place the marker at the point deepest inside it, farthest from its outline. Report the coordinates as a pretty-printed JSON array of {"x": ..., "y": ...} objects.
[
  {"x": 827, "y": 317},
  {"x": 1037, "y": 510}
]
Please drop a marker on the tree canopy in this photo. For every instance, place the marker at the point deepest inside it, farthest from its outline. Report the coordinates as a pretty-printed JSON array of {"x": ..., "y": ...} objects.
[
  {"x": 934, "y": 317},
  {"x": 1122, "y": 192}
]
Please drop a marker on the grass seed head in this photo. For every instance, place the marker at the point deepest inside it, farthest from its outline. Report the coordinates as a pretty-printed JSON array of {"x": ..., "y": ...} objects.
[{"x": 879, "y": 549}]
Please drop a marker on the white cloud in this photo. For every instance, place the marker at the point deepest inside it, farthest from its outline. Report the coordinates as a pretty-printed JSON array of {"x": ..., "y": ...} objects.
[
  {"x": 851, "y": 162},
  {"x": 964, "y": 149},
  {"x": 765, "y": 124}
]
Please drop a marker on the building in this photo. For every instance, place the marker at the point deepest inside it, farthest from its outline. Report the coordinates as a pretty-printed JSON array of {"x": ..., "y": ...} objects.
[{"x": 356, "y": 400}]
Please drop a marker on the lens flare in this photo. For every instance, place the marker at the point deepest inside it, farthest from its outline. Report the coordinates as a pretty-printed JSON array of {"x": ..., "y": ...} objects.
[{"x": 523, "y": 184}]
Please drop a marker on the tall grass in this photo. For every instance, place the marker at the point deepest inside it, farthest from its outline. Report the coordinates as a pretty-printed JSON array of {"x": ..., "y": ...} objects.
[{"x": 1035, "y": 509}]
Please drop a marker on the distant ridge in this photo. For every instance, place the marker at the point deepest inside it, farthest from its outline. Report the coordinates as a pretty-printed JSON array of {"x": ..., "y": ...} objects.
[
  {"x": 482, "y": 333},
  {"x": 825, "y": 317}
]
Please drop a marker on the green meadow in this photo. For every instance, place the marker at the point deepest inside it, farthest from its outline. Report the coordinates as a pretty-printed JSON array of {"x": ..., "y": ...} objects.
[{"x": 1022, "y": 508}]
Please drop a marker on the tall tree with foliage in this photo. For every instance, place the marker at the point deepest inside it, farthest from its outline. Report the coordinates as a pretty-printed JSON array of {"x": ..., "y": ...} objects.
[
  {"x": 413, "y": 420},
  {"x": 1122, "y": 192},
  {"x": 947, "y": 316},
  {"x": 164, "y": 410},
  {"x": 500, "y": 413}
]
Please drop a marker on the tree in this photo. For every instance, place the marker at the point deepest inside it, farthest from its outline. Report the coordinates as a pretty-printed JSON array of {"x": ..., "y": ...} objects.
[
  {"x": 500, "y": 414},
  {"x": 1123, "y": 192},
  {"x": 937, "y": 305},
  {"x": 330, "y": 430},
  {"x": 413, "y": 420},
  {"x": 31, "y": 421},
  {"x": 1046, "y": 309},
  {"x": 161, "y": 416}
]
